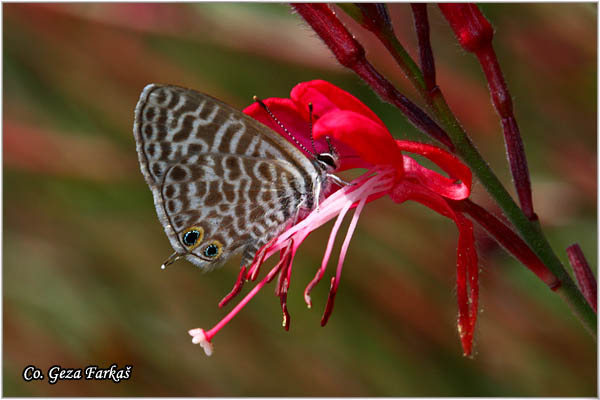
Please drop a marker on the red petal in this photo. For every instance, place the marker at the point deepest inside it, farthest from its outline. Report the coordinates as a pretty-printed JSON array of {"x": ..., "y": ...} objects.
[
  {"x": 468, "y": 300},
  {"x": 370, "y": 140},
  {"x": 457, "y": 187},
  {"x": 326, "y": 97},
  {"x": 446, "y": 161},
  {"x": 450, "y": 188},
  {"x": 284, "y": 109},
  {"x": 467, "y": 270}
]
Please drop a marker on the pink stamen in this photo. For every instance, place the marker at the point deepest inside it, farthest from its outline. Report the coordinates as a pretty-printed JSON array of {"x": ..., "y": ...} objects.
[
  {"x": 336, "y": 281},
  {"x": 283, "y": 300},
  {"x": 284, "y": 255},
  {"x": 330, "y": 302},
  {"x": 321, "y": 271},
  {"x": 199, "y": 337}
]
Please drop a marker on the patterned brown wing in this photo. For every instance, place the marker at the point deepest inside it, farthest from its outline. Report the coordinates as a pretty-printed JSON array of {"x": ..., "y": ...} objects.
[{"x": 222, "y": 182}]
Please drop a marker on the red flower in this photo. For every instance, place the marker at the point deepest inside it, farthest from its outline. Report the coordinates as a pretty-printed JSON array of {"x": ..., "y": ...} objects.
[{"x": 361, "y": 140}]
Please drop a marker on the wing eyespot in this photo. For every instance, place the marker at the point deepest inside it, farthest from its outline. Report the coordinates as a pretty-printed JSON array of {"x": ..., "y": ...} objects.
[
  {"x": 213, "y": 250},
  {"x": 192, "y": 237}
]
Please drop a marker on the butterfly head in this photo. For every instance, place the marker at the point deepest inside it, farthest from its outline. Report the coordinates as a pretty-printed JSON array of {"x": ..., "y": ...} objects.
[{"x": 329, "y": 161}]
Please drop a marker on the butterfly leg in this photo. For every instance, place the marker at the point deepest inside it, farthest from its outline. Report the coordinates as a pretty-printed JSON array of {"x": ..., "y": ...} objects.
[
  {"x": 317, "y": 196},
  {"x": 298, "y": 207},
  {"x": 339, "y": 181},
  {"x": 250, "y": 251}
]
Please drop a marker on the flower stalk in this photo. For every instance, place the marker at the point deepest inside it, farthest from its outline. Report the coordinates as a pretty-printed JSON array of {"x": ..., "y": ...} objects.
[
  {"x": 419, "y": 11},
  {"x": 475, "y": 35}
]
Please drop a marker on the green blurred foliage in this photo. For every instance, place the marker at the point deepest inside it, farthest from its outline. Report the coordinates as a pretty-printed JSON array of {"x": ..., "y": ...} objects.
[{"x": 82, "y": 244}]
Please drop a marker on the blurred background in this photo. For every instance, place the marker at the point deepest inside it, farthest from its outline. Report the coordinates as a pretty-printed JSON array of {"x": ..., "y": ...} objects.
[{"x": 82, "y": 244}]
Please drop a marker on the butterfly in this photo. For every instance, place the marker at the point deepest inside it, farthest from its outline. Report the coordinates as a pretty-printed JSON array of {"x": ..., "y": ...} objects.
[{"x": 223, "y": 183}]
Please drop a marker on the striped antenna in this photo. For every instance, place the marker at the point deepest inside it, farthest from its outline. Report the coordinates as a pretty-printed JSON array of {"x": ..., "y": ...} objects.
[{"x": 264, "y": 106}]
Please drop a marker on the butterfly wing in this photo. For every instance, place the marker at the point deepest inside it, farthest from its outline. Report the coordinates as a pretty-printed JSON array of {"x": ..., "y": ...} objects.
[{"x": 222, "y": 182}]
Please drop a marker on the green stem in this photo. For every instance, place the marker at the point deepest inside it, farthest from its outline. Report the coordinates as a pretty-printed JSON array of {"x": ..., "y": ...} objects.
[{"x": 405, "y": 61}]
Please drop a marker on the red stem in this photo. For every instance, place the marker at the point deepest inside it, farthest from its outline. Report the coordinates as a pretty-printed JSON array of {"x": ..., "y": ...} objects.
[
  {"x": 512, "y": 137},
  {"x": 475, "y": 35},
  {"x": 419, "y": 11}
]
